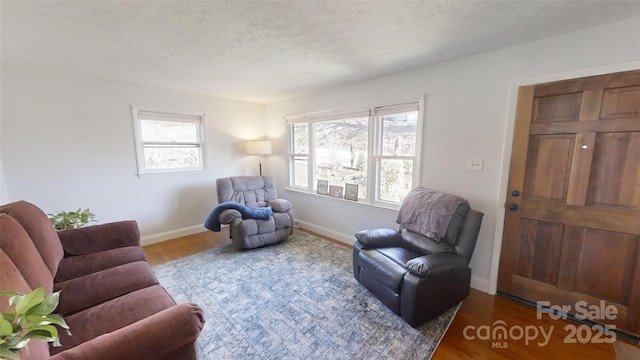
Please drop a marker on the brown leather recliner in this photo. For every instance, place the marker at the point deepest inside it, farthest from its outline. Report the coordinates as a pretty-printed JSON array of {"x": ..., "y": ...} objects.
[{"x": 415, "y": 276}]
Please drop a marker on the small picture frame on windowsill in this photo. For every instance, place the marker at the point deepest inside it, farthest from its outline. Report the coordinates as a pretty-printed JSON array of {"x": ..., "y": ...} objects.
[
  {"x": 351, "y": 192},
  {"x": 336, "y": 191},
  {"x": 323, "y": 187}
]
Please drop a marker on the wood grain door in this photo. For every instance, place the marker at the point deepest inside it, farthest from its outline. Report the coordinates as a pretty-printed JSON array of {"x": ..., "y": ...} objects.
[{"x": 572, "y": 223}]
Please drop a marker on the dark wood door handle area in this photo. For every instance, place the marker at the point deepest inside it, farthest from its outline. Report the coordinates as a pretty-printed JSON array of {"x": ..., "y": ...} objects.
[
  {"x": 515, "y": 193},
  {"x": 513, "y": 207}
]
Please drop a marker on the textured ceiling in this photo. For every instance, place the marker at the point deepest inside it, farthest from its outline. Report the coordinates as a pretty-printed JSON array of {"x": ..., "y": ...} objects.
[{"x": 267, "y": 51}]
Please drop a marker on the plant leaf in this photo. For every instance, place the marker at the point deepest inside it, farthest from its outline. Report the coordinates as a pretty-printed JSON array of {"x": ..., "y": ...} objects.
[
  {"x": 47, "y": 306},
  {"x": 8, "y": 316},
  {"x": 15, "y": 298},
  {"x": 5, "y": 327},
  {"x": 8, "y": 293},
  {"x": 42, "y": 332},
  {"x": 30, "y": 300},
  {"x": 58, "y": 320},
  {"x": 8, "y": 354},
  {"x": 17, "y": 343}
]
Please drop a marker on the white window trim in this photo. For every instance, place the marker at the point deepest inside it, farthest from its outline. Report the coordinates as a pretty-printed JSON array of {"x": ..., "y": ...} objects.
[
  {"x": 191, "y": 116},
  {"x": 376, "y": 157},
  {"x": 373, "y": 169}
]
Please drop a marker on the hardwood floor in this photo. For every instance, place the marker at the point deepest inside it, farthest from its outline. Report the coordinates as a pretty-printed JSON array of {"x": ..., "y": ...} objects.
[{"x": 479, "y": 314}]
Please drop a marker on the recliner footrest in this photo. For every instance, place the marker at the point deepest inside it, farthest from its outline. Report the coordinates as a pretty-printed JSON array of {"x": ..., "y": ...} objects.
[{"x": 380, "y": 267}]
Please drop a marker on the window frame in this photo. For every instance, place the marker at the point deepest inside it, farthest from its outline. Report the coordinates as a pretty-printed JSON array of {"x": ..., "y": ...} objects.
[
  {"x": 374, "y": 151},
  {"x": 377, "y": 155},
  {"x": 196, "y": 117}
]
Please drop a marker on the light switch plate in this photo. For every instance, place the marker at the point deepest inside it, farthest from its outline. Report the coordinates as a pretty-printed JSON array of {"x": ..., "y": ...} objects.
[{"x": 475, "y": 165}]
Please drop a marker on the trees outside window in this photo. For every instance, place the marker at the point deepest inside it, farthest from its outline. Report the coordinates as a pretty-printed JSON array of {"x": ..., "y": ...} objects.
[
  {"x": 168, "y": 141},
  {"x": 376, "y": 149}
]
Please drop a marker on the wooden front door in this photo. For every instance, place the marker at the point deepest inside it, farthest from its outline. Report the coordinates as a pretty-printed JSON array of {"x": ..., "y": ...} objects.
[{"x": 572, "y": 222}]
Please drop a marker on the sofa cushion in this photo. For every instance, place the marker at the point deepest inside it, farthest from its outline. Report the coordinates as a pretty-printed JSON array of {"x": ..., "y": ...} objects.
[
  {"x": 166, "y": 335},
  {"x": 81, "y": 265},
  {"x": 113, "y": 315},
  {"x": 11, "y": 279},
  {"x": 104, "y": 285},
  {"x": 253, "y": 191},
  {"x": 17, "y": 244},
  {"x": 422, "y": 244},
  {"x": 398, "y": 255},
  {"x": 96, "y": 238},
  {"x": 39, "y": 228}
]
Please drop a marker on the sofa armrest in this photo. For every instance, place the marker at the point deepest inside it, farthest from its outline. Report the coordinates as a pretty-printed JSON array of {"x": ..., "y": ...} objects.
[
  {"x": 280, "y": 205},
  {"x": 436, "y": 264},
  {"x": 92, "y": 239},
  {"x": 377, "y": 238},
  {"x": 150, "y": 338},
  {"x": 227, "y": 216}
]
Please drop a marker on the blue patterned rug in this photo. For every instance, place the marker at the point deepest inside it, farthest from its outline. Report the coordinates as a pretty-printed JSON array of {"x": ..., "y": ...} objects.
[{"x": 294, "y": 300}]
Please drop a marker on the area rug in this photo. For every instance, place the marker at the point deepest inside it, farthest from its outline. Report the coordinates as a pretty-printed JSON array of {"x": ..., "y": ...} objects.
[{"x": 294, "y": 300}]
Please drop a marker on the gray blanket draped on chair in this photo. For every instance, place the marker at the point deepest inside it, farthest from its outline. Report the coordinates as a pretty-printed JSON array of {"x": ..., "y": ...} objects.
[{"x": 428, "y": 212}]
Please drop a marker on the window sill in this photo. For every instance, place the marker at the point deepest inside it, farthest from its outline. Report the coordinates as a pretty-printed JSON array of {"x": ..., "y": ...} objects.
[
  {"x": 170, "y": 173},
  {"x": 359, "y": 203}
]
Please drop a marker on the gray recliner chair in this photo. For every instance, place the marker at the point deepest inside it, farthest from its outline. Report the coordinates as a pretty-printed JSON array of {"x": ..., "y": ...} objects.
[
  {"x": 416, "y": 276},
  {"x": 254, "y": 191}
]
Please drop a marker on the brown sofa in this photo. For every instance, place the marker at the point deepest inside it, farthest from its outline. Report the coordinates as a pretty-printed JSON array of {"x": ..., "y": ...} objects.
[{"x": 110, "y": 298}]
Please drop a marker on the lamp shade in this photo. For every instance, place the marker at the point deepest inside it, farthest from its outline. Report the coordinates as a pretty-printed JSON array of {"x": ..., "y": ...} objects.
[{"x": 259, "y": 147}]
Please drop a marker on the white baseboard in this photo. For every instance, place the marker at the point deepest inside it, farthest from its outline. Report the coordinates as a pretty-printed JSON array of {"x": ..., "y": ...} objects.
[
  {"x": 347, "y": 239},
  {"x": 168, "y": 235},
  {"x": 479, "y": 283}
]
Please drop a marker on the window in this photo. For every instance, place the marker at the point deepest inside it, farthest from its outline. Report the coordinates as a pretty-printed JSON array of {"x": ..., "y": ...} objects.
[
  {"x": 168, "y": 141},
  {"x": 377, "y": 149}
]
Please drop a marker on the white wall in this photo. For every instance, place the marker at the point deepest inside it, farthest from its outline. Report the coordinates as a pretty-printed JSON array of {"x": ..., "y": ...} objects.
[
  {"x": 67, "y": 142},
  {"x": 4, "y": 193},
  {"x": 468, "y": 115}
]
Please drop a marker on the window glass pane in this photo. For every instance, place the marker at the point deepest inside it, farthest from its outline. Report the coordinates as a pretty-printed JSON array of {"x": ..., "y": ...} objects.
[
  {"x": 396, "y": 178},
  {"x": 399, "y": 134},
  {"x": 341, "y": 152},
  {"x": 300, "y": 136},
  {"x": 168, "y": 131},
  {"x": 300, "y": 171},
  {"x": 168, "y": 157}
]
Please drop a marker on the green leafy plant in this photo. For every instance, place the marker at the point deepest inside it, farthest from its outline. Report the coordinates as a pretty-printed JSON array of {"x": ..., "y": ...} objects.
[
  {"x": 29, "y": 317},
  {"x": 65, "y": 220}
]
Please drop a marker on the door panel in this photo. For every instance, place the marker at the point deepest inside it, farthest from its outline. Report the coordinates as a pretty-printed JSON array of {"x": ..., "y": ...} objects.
[
  {"x": 616, "y": 153},
  {"x": 610, "y": 253},
  {"x": 548, "y": 166},
  {"x": 621, "y": 103},
  {"x": 572, "y": 228},
  {"x": 554, "y": 108},
  {"x": 539, "y": 250}
]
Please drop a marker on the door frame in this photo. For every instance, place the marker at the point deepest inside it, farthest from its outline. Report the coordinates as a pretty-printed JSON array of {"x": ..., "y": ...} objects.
[{"x": 503, "y": 183}]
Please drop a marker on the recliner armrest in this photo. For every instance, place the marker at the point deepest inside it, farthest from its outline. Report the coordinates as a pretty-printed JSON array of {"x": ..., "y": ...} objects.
[
  {"x": 150, "y": 338},
  {"x": 280, "y": 205},
  {"x": 227, "y": 216},
  {"x": 92, "y": 239},
  {"x": 377, "y": 238},
  {"x": 436, "y": 264}
]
